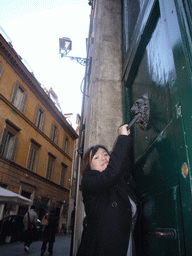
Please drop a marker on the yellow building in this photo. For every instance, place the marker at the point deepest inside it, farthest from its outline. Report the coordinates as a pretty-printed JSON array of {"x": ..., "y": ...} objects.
[{"x": 36, "y": 141}]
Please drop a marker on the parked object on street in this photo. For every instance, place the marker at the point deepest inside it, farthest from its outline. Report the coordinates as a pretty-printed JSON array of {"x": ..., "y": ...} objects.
[{"x": 12, "y": 229}]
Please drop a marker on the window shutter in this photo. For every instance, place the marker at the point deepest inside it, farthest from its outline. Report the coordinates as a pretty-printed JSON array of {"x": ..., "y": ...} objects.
[
  {"x": 42, "y": 122},
  {"x": 3, "y": 140},
  {"x": 30, "y": 158},
  {"x": 57, "y": 136},
  {"x": 16, "y": 86},
  {"x": 14, "y": 149},
  {"x": 52, "y": 131},
  {"x": 24, "y": 101},
  {"x": 1, "y": 70},
  {"x": 33, "y": 159},
  {"x": 49, "y": 169},
  {"x": 63, "y": 174},
  {"x": 36, "y": 116},
  {"x": 68, "y": 147}
]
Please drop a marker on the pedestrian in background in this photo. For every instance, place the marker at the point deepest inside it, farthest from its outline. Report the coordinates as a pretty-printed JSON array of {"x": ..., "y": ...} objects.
[
  {"x": 30, "y": 224},
  {"x": 109, "y": 199},
  {"x": 48, "y": 235}
]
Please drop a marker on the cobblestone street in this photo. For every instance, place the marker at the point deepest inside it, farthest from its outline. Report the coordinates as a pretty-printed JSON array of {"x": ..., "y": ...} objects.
[{"x": 61, "y": 247}]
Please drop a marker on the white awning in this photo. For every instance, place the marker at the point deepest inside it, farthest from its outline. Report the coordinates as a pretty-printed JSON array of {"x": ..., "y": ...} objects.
[{"x": 7, "y": 196}]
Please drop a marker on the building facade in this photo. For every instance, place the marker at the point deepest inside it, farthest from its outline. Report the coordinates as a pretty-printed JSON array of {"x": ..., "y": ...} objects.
[
  {"x": 75, "y": 121},
  {"x": 36, "y": 143},
  {"x": 142, "y": 50}
]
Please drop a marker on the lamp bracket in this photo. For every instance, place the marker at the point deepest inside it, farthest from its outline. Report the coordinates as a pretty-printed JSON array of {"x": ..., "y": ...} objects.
[{"x": 82, "y": 61}]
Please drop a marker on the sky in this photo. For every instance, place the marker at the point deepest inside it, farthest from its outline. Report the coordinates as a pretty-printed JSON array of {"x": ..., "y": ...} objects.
[{"x": 34, "y": 28}]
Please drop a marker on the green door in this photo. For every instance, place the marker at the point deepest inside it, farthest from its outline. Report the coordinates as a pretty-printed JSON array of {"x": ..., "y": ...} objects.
[{"x": 158, "y": 64}]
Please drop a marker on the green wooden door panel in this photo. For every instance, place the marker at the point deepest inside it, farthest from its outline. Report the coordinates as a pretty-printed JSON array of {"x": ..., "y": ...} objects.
[
  {"x": 158, "y": 169},
  {"x": 156, "y": 76},
  {"x": 183, "y": 158},
  {"x": 163, "y": 185},
  {"x": 161, "y": 214}
]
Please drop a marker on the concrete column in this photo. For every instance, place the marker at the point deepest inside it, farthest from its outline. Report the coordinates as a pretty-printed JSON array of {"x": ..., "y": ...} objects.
[
  {"x": 103, "y": 110},
  {"x": 104, "y": 105}
]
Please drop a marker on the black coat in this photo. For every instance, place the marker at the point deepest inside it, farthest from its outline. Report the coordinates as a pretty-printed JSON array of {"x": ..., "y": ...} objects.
[
  {"x": 48, "y": 234},
  {"x": 107, "y": 207}
]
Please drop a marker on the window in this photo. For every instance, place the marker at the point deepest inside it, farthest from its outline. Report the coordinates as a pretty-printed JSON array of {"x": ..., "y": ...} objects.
[
  {"x": 24, "y": 208},
  {"x": 33, "y": 154},
  {"x": 50, "y": 166},
  {"x": 131, "y": 12},
  {"x": 63, "y": 174},
  {"x": 19, "y": 97},
  {"x": 54, "y": 133},
  {"x": 1, "y": 69},
  {"x": 66, "y": 146},
  {"x": 39, "y": 118},
  {"x": 9, "y": 141}
]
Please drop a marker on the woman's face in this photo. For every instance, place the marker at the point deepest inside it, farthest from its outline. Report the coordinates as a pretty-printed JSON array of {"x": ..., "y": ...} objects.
[{"x": 100, "y": 160}]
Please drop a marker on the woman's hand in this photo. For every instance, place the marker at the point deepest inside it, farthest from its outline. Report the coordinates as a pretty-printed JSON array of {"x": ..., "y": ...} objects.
[{"x": 123, "y": 130}]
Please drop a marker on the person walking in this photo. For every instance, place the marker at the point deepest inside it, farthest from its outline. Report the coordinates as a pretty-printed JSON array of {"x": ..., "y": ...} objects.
[
  {"x": 48, "y": 235},
  {"x": 109, "y": 199},
  {"x": 30, "y": 223}
]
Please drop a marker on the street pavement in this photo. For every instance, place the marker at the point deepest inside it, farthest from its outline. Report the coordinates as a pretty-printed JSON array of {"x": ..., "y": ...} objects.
[{"x": 61, "y": 247}]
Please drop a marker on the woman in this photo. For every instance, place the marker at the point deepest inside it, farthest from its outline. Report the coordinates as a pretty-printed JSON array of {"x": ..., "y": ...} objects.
[
  {"x": 48, "y": 235},
  {"x": 108, "y": 198}
]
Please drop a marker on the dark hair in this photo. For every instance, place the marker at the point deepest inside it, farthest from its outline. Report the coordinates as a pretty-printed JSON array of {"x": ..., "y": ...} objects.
[
  {"x": 88, "y": 156},
  {"x": 33, "y": 206}
]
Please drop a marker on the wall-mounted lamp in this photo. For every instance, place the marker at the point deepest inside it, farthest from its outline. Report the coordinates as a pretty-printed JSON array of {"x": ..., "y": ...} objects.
[{"x": 65, "y": 45}]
